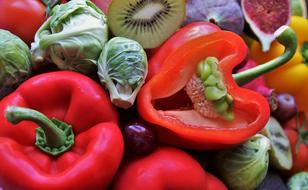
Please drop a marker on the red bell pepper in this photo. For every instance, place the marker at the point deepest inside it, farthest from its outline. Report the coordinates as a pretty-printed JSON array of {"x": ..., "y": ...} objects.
[
  {"x": 163, "y": 102},
  {"x": 297, "y": 132},
  {"x": 89, "y": 163},
  {"x": 187, "y": 33},
  {"x": 165, "y": 168}
]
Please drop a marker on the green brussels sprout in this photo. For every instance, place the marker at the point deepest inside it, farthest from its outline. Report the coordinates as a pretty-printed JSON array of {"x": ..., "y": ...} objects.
[
  {"x": 15, "y": 61},
  {"x": 298, "y": 181},
  {"x": 122, "y": 68},
  {"x": 72, "y": 37},
  {"x": 244, "y": 167}
]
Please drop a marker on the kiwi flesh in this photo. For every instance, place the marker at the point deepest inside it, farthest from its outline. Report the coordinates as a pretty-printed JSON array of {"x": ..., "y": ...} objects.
[
  {"x": 280, "y": 152},
  {"x": 149, "y": 22}
]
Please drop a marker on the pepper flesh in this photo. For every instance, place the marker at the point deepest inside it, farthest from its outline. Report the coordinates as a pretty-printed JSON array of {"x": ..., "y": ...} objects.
[
  {"x": 183, "y": 126},
  {"x": 293, "y": 76},
  {"x": 77, "y": 100}
]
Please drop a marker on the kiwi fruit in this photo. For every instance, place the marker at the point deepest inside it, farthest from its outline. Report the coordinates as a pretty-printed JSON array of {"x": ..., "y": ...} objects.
[
  {"x": 280, "y": 152},
  {"x": 149, "y": 22},
  {"x": 298, "y": 181}
]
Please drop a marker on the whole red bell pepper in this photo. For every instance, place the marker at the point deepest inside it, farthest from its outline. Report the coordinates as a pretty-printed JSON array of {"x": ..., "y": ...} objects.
[
  {"x": 297, "y": 132},
  {"x": 165, "y": 168},
  {"x": 82, "y": 153},
  {"x": 164, "y": 100}
]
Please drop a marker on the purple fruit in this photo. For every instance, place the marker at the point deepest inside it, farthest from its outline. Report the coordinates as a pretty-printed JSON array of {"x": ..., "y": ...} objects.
[
  {"x": 265, "y": 17},
  {"x": 286, "y": 107},
  {"x": 139, "y": 138},
  {"x": 226, "y": 14}
]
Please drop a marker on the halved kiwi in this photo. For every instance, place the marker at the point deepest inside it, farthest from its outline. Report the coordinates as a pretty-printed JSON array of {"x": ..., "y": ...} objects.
[
  {"x": 150, "y": 22},
  {"x": 280, "y": 152}
]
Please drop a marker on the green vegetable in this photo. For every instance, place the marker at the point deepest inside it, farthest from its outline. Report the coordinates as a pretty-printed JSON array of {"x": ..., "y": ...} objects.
[
  {"x": 15, "y": 61},
  {"x": 298, "y": 181},
  {"x": 244, "y": 167},
  {"x": 72, "y": 37},
  {"x": 122, "y": 68}
]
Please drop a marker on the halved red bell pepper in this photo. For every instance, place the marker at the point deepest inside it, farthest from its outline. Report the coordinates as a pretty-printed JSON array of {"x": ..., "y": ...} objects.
[
  {"x": 163, "y": 102},
  {"x": 181, "y": 37},
  {"x": 165, "y": 168},
  {"x": 90, "y": 163}
]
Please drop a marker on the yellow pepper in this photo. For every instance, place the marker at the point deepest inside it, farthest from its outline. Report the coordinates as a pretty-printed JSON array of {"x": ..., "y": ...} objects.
[{"x": 292, "y": 77}]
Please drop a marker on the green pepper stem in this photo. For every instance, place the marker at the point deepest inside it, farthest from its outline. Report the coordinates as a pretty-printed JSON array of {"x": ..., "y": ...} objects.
[
  {"x": 285, "y": 36},
  {"x": 53, "y": 136}
]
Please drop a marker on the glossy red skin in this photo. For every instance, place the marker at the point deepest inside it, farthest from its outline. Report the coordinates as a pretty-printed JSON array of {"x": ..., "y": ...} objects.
[
  {"x": 300, "y": 159},
  {"x": 102, "y": 4},
  {"x": 77, "y": 100},
  {"x": 173, "y": 65},
  {"x": 22, "y": 17},
  {"x": 166, "y": 168},
  {"x": 182, "y": 36}
]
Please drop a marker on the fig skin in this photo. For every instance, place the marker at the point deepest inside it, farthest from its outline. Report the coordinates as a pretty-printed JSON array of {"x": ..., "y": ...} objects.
[{"x": 227, "y": 14}]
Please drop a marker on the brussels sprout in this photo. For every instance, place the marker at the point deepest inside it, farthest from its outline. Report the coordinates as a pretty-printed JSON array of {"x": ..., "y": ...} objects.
[
  {"x": 244, "y": 167},
  {"x": 15, "y": 61},
  {"x": 122, "y": 68},
  {"x": 72, "y": 37},
  {"x": 298, "y": 181}
]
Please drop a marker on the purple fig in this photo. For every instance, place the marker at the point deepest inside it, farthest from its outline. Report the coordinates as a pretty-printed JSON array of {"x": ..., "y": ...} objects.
[
  {"x": 265, "y": 17},
  {"x": 226, "y": 14}
]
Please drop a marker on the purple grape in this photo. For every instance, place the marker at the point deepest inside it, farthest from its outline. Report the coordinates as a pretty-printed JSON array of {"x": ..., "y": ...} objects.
[
  {"x": 139, "y": 138},
  {"x": 286, "y": 107}
]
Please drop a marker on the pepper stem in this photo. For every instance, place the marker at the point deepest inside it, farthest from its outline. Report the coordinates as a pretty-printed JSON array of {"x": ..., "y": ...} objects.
[
  {"x": 49, "y": 4},
  {"x": 287, "y": 37},
  {"x": 53, "y": 136}
]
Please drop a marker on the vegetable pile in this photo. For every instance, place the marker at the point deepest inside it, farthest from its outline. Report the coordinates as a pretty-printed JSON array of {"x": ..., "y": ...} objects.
[{"x": 153, "y": 94}]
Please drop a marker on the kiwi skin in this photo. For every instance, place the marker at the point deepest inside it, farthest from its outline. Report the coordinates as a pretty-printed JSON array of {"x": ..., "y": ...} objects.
[{"x": 149, "y": 22}]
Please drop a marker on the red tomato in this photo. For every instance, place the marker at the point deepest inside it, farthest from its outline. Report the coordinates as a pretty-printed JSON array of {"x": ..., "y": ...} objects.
[
  {"x": 22, "y": 17},
  {"x": 102, "y": 4},
  {"x": 300, "y": 157}
]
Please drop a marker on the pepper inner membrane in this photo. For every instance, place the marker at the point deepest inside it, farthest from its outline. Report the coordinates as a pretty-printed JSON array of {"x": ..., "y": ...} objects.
[{"x": 204, "y": 101}]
